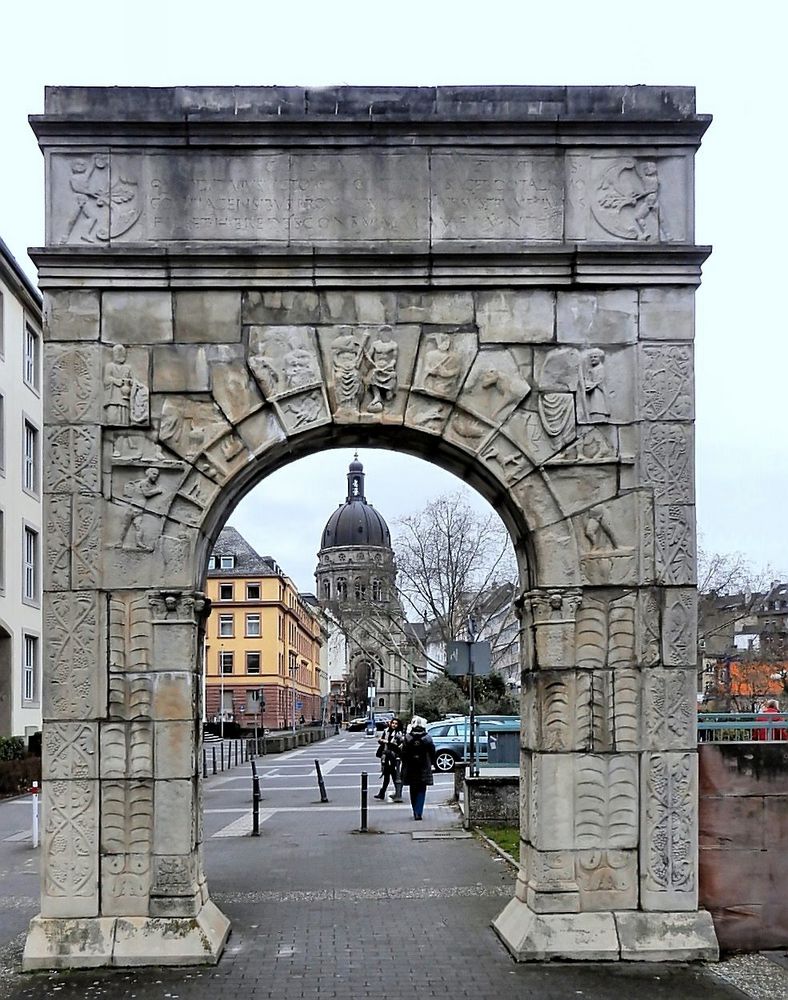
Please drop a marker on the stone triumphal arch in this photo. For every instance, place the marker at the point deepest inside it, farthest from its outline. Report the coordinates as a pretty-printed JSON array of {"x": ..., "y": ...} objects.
[{"x": 500, "y": 280}]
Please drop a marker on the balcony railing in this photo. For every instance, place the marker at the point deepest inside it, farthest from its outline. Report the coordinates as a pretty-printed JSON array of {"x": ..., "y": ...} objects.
[{"x": 725, "y": 727}]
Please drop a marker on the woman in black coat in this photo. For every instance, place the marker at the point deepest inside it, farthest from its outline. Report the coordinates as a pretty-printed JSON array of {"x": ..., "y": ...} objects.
[
  {"x": 418, "y": 760},
  {"x": 388, "y": 751}
]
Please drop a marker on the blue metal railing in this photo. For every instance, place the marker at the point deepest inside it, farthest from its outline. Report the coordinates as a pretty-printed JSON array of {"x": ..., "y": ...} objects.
[{"x": 724, "y": 727}]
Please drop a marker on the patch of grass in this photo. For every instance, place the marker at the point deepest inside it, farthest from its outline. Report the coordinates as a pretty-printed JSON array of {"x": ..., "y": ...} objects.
[{"x": 506, "y": 837}]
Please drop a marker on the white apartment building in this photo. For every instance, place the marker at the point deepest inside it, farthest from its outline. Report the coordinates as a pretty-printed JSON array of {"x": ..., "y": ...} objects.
[{"x": 21, "y": 548}]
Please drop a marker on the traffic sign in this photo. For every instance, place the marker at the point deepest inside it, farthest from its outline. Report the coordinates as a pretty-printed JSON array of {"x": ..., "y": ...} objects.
[{"x": 462, "y": 656}]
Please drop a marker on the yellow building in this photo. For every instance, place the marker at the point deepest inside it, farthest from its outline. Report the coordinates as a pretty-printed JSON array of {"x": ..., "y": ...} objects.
[{"x": 262, "y": 641}]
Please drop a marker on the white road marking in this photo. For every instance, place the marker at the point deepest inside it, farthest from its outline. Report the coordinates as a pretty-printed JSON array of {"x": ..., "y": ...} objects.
[
  {"x": 241, "y": 827},
  {"x": 18, "y": 838}
]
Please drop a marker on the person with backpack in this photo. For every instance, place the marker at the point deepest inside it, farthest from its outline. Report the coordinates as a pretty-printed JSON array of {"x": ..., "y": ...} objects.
[{"x": 418, "y": 759}]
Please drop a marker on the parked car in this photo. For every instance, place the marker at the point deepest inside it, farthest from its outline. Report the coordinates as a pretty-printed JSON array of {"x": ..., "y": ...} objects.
[
  {"x": 357, "y": 725},
  {"x": 452, "y": 737}
]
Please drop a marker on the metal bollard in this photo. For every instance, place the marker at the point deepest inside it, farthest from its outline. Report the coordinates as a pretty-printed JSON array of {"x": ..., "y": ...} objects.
[
  {"x": 321, "y": 784},
  {"x": 204, "y": 764},
  {"x": 364, "y": 791},
  {"x": 213, "y": 754},
  {"x": 34, "y": 791},
  {"x": 255, "y": 802},
  {"x": 236, "y": 753}
]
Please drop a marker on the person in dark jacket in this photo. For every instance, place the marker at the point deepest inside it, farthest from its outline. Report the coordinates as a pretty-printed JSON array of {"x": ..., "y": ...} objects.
[
  {"x": 418, "y": 760},
  {"x": 388, "y": 751}
]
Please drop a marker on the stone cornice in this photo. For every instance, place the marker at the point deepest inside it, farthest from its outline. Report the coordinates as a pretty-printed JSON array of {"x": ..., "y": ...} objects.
[{"x": 371, "y": 265}]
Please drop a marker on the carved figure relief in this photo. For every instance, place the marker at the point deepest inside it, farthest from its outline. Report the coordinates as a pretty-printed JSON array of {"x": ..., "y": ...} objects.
[
  {"x": 140, "y": 493},
  {"x": 592, "y": 446},
  {"x": 189, "y": 426},
  {"x": 126, "y": 397},
  {"x": 283, "y": 359},
  {"x": 442, "y": 366},
  {"x": 70, "y": 824},
  {"x": 666, "y": 382},
  {"x": 427, "y": 414},
  {"x": 605, "y": 561},
  {"x": 669, "y": 836},
  {"x": 299, "y": 412},
  {"x": 347, "y": 352},
  {"x": 626, "y": 200},
  {"x": 72, "y": 384},
  {"x": 606, "y": 802},
  {"x": 593, "y": 397},
  {"x": 553, "y": 614},
  {"x": 382, "y": 354},
  {"x": 496, "y": 383},
  {"x": 606, "y": 632},
  {"x": 508, "y": 462},
  {"x": 99, "y": 209}
]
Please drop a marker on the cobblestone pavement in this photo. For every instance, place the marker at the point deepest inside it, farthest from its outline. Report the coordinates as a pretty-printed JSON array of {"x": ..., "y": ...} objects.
[{"x": 320, "y": 910}]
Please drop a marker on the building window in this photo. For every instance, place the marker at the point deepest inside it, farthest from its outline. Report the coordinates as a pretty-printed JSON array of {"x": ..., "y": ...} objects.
[
  {"x": 226, "y": 626},
  {"x": 30, "y": 668},
  {"x": 377, "y": 590},
  {"x": 30, "y": 574},
  {"x": 253, "y": 663},
  {"x": 225, "y": 591},
  {"x": 281, "y": 627},
  {"x": 253, "y": 626},
  {"x": 225, "y": 662},
  {"x": 227, "y": 562},
  {"x": 382, "y": 678},
  {"x": 30, "y": 458},
  {"x": 254, "y": 702},
  {"x": 253, "y": 591},
  {"x": 360, "y": 590},
  {"x": 211, "y": 562},
  {"x": 30, "y": 357},
  {"x": 2, "y": 434},
  {"x": 281, "y": 663},
  {"x": 341, "y": 588},
  {"x": 381, "y": 702}
]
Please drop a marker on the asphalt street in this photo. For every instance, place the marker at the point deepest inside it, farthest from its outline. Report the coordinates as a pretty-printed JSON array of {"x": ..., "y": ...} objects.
[{"x": 321, "y": 910}]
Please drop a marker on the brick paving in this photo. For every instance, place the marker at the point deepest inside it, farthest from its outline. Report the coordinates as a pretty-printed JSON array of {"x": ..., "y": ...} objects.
[{"x": 322, "y": 911}]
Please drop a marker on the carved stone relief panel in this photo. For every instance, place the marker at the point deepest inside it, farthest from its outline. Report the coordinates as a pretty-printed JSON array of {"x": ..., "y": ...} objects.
[
  {"x": 203, "y": 196},
  {"x": 674, "y": 542},
  {"x": 506, "y": 196},
  {"x": 668, "y": 462},
  {"x": 536, "y": 501},
  {"x": 125, "y": 884},
  {"x": 72, "y": 381},
  {"x": 57, "y": 564},
  {"x": 666, "y": 384},
  {"x": 505, "y": 460},
  {"x": 222, "y": 459},
  {"x": 234, "y": 390},
  {"x": 605, "y": 632},
  {"x": 557, "y": 554},
  {"x": 639, "y": 199},
  {"x": 607, "y": 879},
  {"x": 284, "y": 359},
  {"x": 174, "y": 875},
  {"x": 668, "y": 849},
  {"x": 70, "y": 846},
  {"x": 468, "y": 431},
  {"x": 444, "y": 360},
  {"x": 595, "y": 445},
  {"x": 126, "y": 386},
  {"x": 73, "y": 684},
  {"x": 194, "y": 496},
  {"x": 69, "y": 751},
  {"x": 606, "y": 801},
  {"x": 130, "y": 637},
  {"x": 175, "y": 620},
  {"x": 80, "y": 198},
  {"x": 608, "y": 535},
  {"x": 188, "y": 425},
  {"x": 302, "y": 411},
  {"x": 497, "y": 382},
  {"x": 427, "y": 414},
  {"x": 679, "y": 626},
  {"x": 506, "y": 316},
  {"x": 369, "y": 370},
  {"x": 71, "y": 314},
  {"x": 649, "y": 628},
  {"x": 526, "y": 429},
  {"x": 669, "y": 712},
  {"x": 370, "y": 195},
  {"x": 71, "y": 459},
  {"x": 126, "y": 817},
  {"x": 85, "y": 542},
  {"x": 603, "y": 317},
  {"x": 578, "y": 488}
]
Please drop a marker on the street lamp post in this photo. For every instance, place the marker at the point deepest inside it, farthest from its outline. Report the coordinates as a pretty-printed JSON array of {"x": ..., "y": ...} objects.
[{"x": 221, "y": 691}]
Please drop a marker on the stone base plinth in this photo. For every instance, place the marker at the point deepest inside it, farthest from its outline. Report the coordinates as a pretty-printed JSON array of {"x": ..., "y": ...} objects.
[
  {"x": 632, "y": 935},
  {"x": 80, "y": 942}
]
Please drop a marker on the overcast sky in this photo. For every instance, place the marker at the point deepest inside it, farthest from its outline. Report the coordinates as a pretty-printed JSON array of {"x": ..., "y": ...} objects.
[{"x": 736, "y": 62}]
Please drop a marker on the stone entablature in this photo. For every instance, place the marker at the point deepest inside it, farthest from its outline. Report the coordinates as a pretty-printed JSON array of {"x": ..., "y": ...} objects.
[{"x": 504, "y": 286}]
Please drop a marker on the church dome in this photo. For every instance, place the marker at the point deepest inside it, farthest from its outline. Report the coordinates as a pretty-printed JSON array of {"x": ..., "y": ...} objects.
[{"x": 355, "y": 522}]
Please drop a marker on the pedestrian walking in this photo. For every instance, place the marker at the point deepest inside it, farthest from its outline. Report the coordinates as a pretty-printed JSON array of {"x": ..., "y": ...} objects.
[
  {"x": 418, "y": 759},
  {"x": 390, "y": 765}
]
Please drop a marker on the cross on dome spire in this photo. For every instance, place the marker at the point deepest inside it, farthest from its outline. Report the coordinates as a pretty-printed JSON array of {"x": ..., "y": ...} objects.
[{"x": 355, "y": 481}]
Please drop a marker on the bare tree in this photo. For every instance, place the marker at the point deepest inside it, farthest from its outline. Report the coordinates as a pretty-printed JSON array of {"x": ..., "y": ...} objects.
[{"x": 449, "y": 558}]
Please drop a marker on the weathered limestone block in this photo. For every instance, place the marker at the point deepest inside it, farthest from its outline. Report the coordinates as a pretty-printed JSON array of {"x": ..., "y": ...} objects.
[
  {"x": 68, "y": 943},
  {"x": 436, "y": 308},
  {"x": 138, "y": 317},
  {"x": 674, "y": 544},
  {"x": 69, "y": 751},
  {"x": 502, "y": 195},
  {"x": 234, "y": 390},
  {"x": 669, "y": 824},
  {"x": 180, "y": 368},
  {"x": 667, "y": 937},
  {"x": 532, "y": 937},
  {"x": 605, "y": 317},
  {"x": 174, "y": 830},
  {"x": 497, "y": 382},
  {"x": 607, "y": 879},
  {"x": 280, "y": 308},
  {"x": 577, "y": 488},
  {"x": 667, "y": 462},
  {"x": 73, "y": 683},
  {"x": 666, "y": 389},
  {"x": 669, "y": 713},
  {"x": 174, "y": 749},
  {"x": 175, "y": 618},
  {"x": 174, "y": 695},
  {"x": 679, "y": 626},
  {"x": 373, "y": 307},
  {"x": 553, "y": 617},
  {"x": 197, "y": 940},
  {"x": 125, "y": 884},
  {"x": 536, "y": 501},
  {"x": 667, "y": 314},
  {"x": 259, "y": 432},
  {"x": 212, "y": 317},
  {"x": 71, "y": 314},
  {"x": 506, "y": 316},
  {"x": 72, "y": 459}
]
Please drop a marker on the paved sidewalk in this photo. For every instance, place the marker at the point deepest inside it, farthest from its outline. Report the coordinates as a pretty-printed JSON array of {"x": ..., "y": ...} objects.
[{"x": 322, "y": 911}]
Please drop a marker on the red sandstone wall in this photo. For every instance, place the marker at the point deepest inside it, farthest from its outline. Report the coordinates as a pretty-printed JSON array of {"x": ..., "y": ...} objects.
[{"x": 743, "y": 826}]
